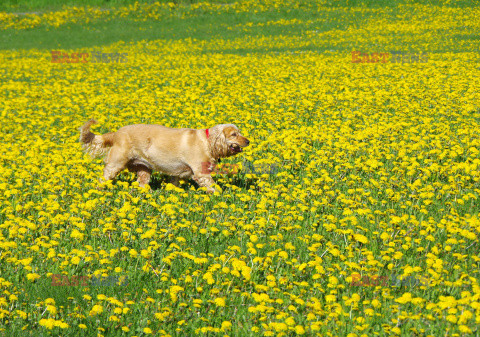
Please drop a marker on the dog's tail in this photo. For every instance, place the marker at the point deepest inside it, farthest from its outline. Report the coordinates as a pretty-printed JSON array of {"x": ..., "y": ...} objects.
[{"x": 95, "y": 145}]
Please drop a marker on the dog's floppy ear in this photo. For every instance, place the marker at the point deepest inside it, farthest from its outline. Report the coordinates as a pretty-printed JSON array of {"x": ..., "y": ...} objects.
[{"x": 218, "y": 142}]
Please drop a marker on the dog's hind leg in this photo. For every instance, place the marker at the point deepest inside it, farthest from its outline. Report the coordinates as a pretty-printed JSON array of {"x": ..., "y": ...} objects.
[
  {"x": 111, "y": 170},
  {"x": 115, "y": 162},
  {"x": 143, "y": 173}
]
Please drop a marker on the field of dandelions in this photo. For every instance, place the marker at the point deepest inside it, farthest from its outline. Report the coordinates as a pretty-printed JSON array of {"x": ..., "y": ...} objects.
[{"x": 368, "y": 226}]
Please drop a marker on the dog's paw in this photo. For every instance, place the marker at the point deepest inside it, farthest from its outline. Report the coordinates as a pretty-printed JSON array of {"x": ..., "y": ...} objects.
[
  {"x": 140, "y": 187},
  {"x": 104, "y": 184},
  {"x": 214, "y": 189},
  {"x": 101, "y": 184}
]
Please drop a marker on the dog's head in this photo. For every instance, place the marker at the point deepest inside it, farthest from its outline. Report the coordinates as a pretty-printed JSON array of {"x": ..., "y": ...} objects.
[{"x": 226, "y": 140}]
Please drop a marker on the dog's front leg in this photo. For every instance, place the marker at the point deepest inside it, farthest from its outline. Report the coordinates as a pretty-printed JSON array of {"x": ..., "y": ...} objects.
[
  {"x": 204, "y": 180},
  {"x": 143, "y": 176}
]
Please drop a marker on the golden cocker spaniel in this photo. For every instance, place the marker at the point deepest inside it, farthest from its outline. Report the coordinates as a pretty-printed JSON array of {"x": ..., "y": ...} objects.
[{"x": 180, "y": 153}]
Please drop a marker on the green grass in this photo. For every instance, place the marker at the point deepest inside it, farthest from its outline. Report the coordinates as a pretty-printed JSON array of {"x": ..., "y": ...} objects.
[
  {"x": 44, "y": 5},
  {"x": 23, "y": 6},
  {"x": 206, "y": 26}
]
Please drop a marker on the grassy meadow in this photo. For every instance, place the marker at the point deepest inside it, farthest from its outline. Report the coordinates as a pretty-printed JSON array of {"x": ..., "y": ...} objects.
[{"x": 368, "y": 225}]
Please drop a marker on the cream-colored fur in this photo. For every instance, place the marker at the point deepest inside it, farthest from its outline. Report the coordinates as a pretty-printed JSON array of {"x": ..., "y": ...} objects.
[{"x": 180, "y": 153}]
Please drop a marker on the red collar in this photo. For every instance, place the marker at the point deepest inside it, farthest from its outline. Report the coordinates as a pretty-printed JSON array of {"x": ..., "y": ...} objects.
[{"x": 207, "y": 133}]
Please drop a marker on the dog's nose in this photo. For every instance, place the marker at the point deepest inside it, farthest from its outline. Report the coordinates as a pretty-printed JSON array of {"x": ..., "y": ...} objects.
[{"x": 248, "y": 142}]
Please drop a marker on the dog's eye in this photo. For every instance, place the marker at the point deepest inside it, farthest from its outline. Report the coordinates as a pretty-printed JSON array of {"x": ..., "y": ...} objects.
[{"x": 234, "y": 134}]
